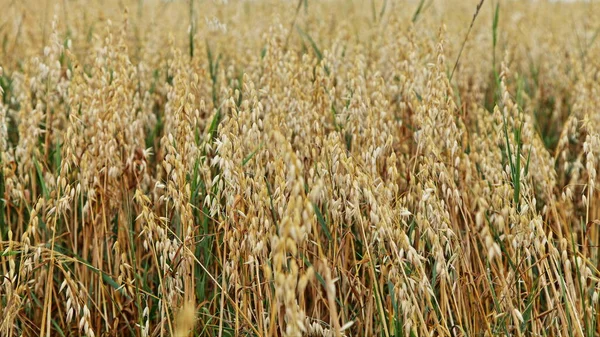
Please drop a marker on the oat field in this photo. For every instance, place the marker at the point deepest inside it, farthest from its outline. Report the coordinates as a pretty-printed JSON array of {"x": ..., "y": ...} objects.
[{"x": 391, "y": 168}]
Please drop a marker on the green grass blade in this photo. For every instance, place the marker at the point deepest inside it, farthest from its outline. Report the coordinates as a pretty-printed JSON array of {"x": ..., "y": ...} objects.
[
  {"x": 321, "y": 220},
  {"x": 418, "y": 11},
  {"x": 312, "y": 42}
]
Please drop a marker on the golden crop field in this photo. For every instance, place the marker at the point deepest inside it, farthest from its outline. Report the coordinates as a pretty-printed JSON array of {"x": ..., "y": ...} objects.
[{"x": 390, "y": 168}]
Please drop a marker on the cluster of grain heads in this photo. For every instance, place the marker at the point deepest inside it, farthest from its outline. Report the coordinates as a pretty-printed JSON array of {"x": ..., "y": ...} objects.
[{"x": 304, "y": 169}]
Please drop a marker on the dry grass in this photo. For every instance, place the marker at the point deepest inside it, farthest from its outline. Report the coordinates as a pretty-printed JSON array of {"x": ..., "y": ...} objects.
[{"x": 273, "y": 168}]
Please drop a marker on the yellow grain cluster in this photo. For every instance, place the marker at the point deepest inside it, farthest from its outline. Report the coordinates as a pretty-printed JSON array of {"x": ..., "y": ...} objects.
[{"x": 299, "y": 168}]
